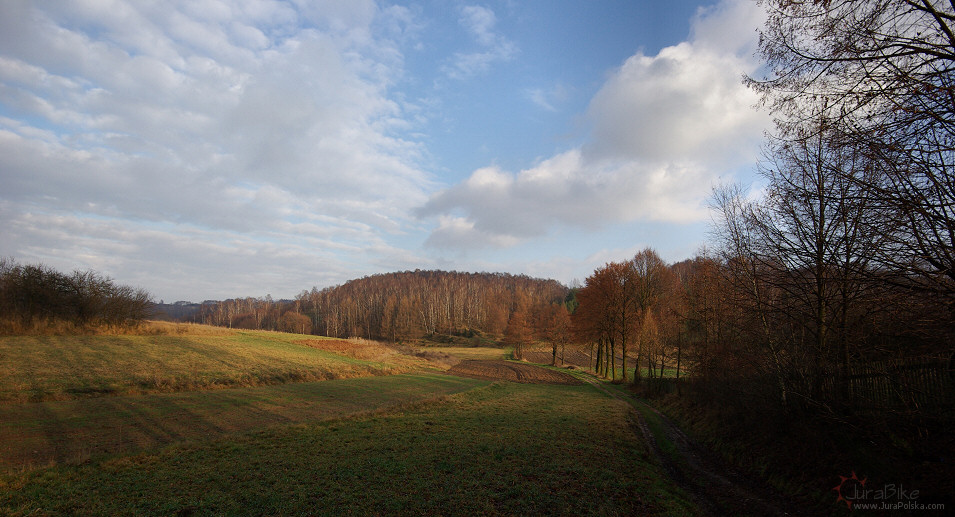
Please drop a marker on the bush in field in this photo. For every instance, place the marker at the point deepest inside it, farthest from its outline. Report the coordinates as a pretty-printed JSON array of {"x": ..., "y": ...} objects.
[
  {"x": 38, "y": 295},
  {"x": 295, "y": 323}
]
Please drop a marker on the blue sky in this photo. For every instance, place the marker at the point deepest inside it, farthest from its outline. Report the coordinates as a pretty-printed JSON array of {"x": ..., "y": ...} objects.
[{"x": 211, "y": 149}]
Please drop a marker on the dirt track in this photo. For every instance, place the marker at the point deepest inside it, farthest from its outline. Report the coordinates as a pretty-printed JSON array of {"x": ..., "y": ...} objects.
[
  {"x": 718, "y": 490},
  {"x": 510, "y": 371},
  {"x": 571, "y": 356},
  {"x": 574, "y": 357}
]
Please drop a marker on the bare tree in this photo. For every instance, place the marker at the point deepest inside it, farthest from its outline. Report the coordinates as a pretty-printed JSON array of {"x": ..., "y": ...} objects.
[
  {"x": 819, "y": 232},
  {"x": 883, "y": 71},
  {"x": 749, "y": 282},
  {"x": 37, "y": 295},
  {"x": 516, "y": 334}
]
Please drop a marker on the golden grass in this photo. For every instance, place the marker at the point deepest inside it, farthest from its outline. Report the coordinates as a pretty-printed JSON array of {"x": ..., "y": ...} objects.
[
  {"x": 169, "y": 328},
  {"x": 447, "y": 356},
  {"x": 354, "y": 347},
  {"x": 463, "y": 352},
  {"x": 165, "y": 357},
  {"x": 63, "y": 328}
]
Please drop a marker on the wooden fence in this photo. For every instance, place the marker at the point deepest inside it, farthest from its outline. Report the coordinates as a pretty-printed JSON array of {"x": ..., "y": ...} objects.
[
  {"x": 657, "y": 386},
  {"x": 912, "y": 384}
]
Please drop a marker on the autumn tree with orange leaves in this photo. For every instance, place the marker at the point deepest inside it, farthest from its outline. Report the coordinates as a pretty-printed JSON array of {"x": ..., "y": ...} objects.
[{"x": 614, "y": 304}]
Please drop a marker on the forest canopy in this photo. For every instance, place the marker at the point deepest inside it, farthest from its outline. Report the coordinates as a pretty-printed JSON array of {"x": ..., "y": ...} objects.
[{"x": 397, "y": 306}]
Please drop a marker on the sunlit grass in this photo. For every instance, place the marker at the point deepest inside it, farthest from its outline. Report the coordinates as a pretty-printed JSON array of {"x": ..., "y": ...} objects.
[
  {"x": 463, "y": 352},
  {"x": 58, "y": 367}
]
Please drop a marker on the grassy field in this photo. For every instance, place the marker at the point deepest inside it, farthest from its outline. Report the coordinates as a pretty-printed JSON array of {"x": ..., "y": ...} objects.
[
  {"x": 40, "y": 368},
  {"x": 207, "y": 421},
  {"x": 501, "y": 449},
  {"x": 462, "y": 352},
  {"x": 72, "y": 431}
]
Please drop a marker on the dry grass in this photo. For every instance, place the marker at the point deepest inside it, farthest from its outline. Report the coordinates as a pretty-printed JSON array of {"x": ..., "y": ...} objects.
[
  {"x": 452, "y": 355},
  {"x": 543, "y": 354},
  {"x": 65, "y": 328},
  {"x": 168, "y": 357},
  {"x": 357, "y": 348},
  {"x": 169, "y": 328}
]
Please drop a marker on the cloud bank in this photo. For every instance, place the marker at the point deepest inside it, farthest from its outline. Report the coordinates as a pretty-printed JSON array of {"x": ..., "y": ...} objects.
[
  {"x": 662, "y": 129},
  {"x": 219, "y": 129}
]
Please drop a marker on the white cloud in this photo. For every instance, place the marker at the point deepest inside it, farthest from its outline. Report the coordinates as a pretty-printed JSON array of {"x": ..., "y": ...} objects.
[
  {"x": 187, "y": 261},
  {"x": 497, "y": 208},
  {"x": 663, "y": 128},
  {"x": 686, "y": 103},
  {"x": 193, "y": 262},
  {"x": 459, "y": 233},
  {"x": 728, "y": 27},
  {"x": 479, "y": 22},
  {"x": 548, "y": 99},
  {"x": 303, "y": 116},
  {"x": 227, "y": 145}
]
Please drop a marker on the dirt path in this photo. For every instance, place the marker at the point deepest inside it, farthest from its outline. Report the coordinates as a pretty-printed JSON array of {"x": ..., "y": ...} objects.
[
  {"x": 717, "y": 489},
  {"x": 510, "y": 371}
]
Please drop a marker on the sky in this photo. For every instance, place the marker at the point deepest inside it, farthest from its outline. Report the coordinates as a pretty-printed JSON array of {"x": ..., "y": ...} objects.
[{"x": 215, "y": 149}]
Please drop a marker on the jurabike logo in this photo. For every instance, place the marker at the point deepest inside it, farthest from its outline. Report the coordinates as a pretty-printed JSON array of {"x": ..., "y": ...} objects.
[
  {"x": 854, "y": 492},
  {"x": 848, "y": 488}
]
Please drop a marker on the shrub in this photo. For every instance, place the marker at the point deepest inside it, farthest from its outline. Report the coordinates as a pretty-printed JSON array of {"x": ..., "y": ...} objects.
[
  {"x": 295, "y": 323},
  {"x": 34, "y": 297}
]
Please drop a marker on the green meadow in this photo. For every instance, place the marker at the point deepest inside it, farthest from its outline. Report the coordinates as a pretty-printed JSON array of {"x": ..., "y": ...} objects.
[
  {"x": 414, "y": 442},
  {"x": 73, "y": 431}
]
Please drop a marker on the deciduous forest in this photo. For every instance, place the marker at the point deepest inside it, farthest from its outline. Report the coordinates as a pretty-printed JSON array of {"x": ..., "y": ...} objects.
[{"x": 400, "y": 306}]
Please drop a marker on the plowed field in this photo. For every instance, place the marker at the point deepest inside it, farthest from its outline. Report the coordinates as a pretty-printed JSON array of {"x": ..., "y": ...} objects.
[
  {"x": 574, "y": 357},
  {"x": 509, "y": 371}
]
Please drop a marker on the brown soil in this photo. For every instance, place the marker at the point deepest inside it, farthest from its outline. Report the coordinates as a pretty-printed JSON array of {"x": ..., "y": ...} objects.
[
  {"x": 572, "y": 356},
  {"x": 510, "y": 371}
]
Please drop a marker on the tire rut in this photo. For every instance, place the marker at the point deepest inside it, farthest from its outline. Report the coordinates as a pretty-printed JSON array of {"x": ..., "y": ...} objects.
[{"x": 517, "y": 372}]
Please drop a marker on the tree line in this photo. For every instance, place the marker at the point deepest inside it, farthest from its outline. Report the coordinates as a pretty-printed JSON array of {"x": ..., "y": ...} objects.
[
  {"x": 38, "y": 296},
  {"x": 404, "y": 305},
  {"x": 749, "y": 330}
]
